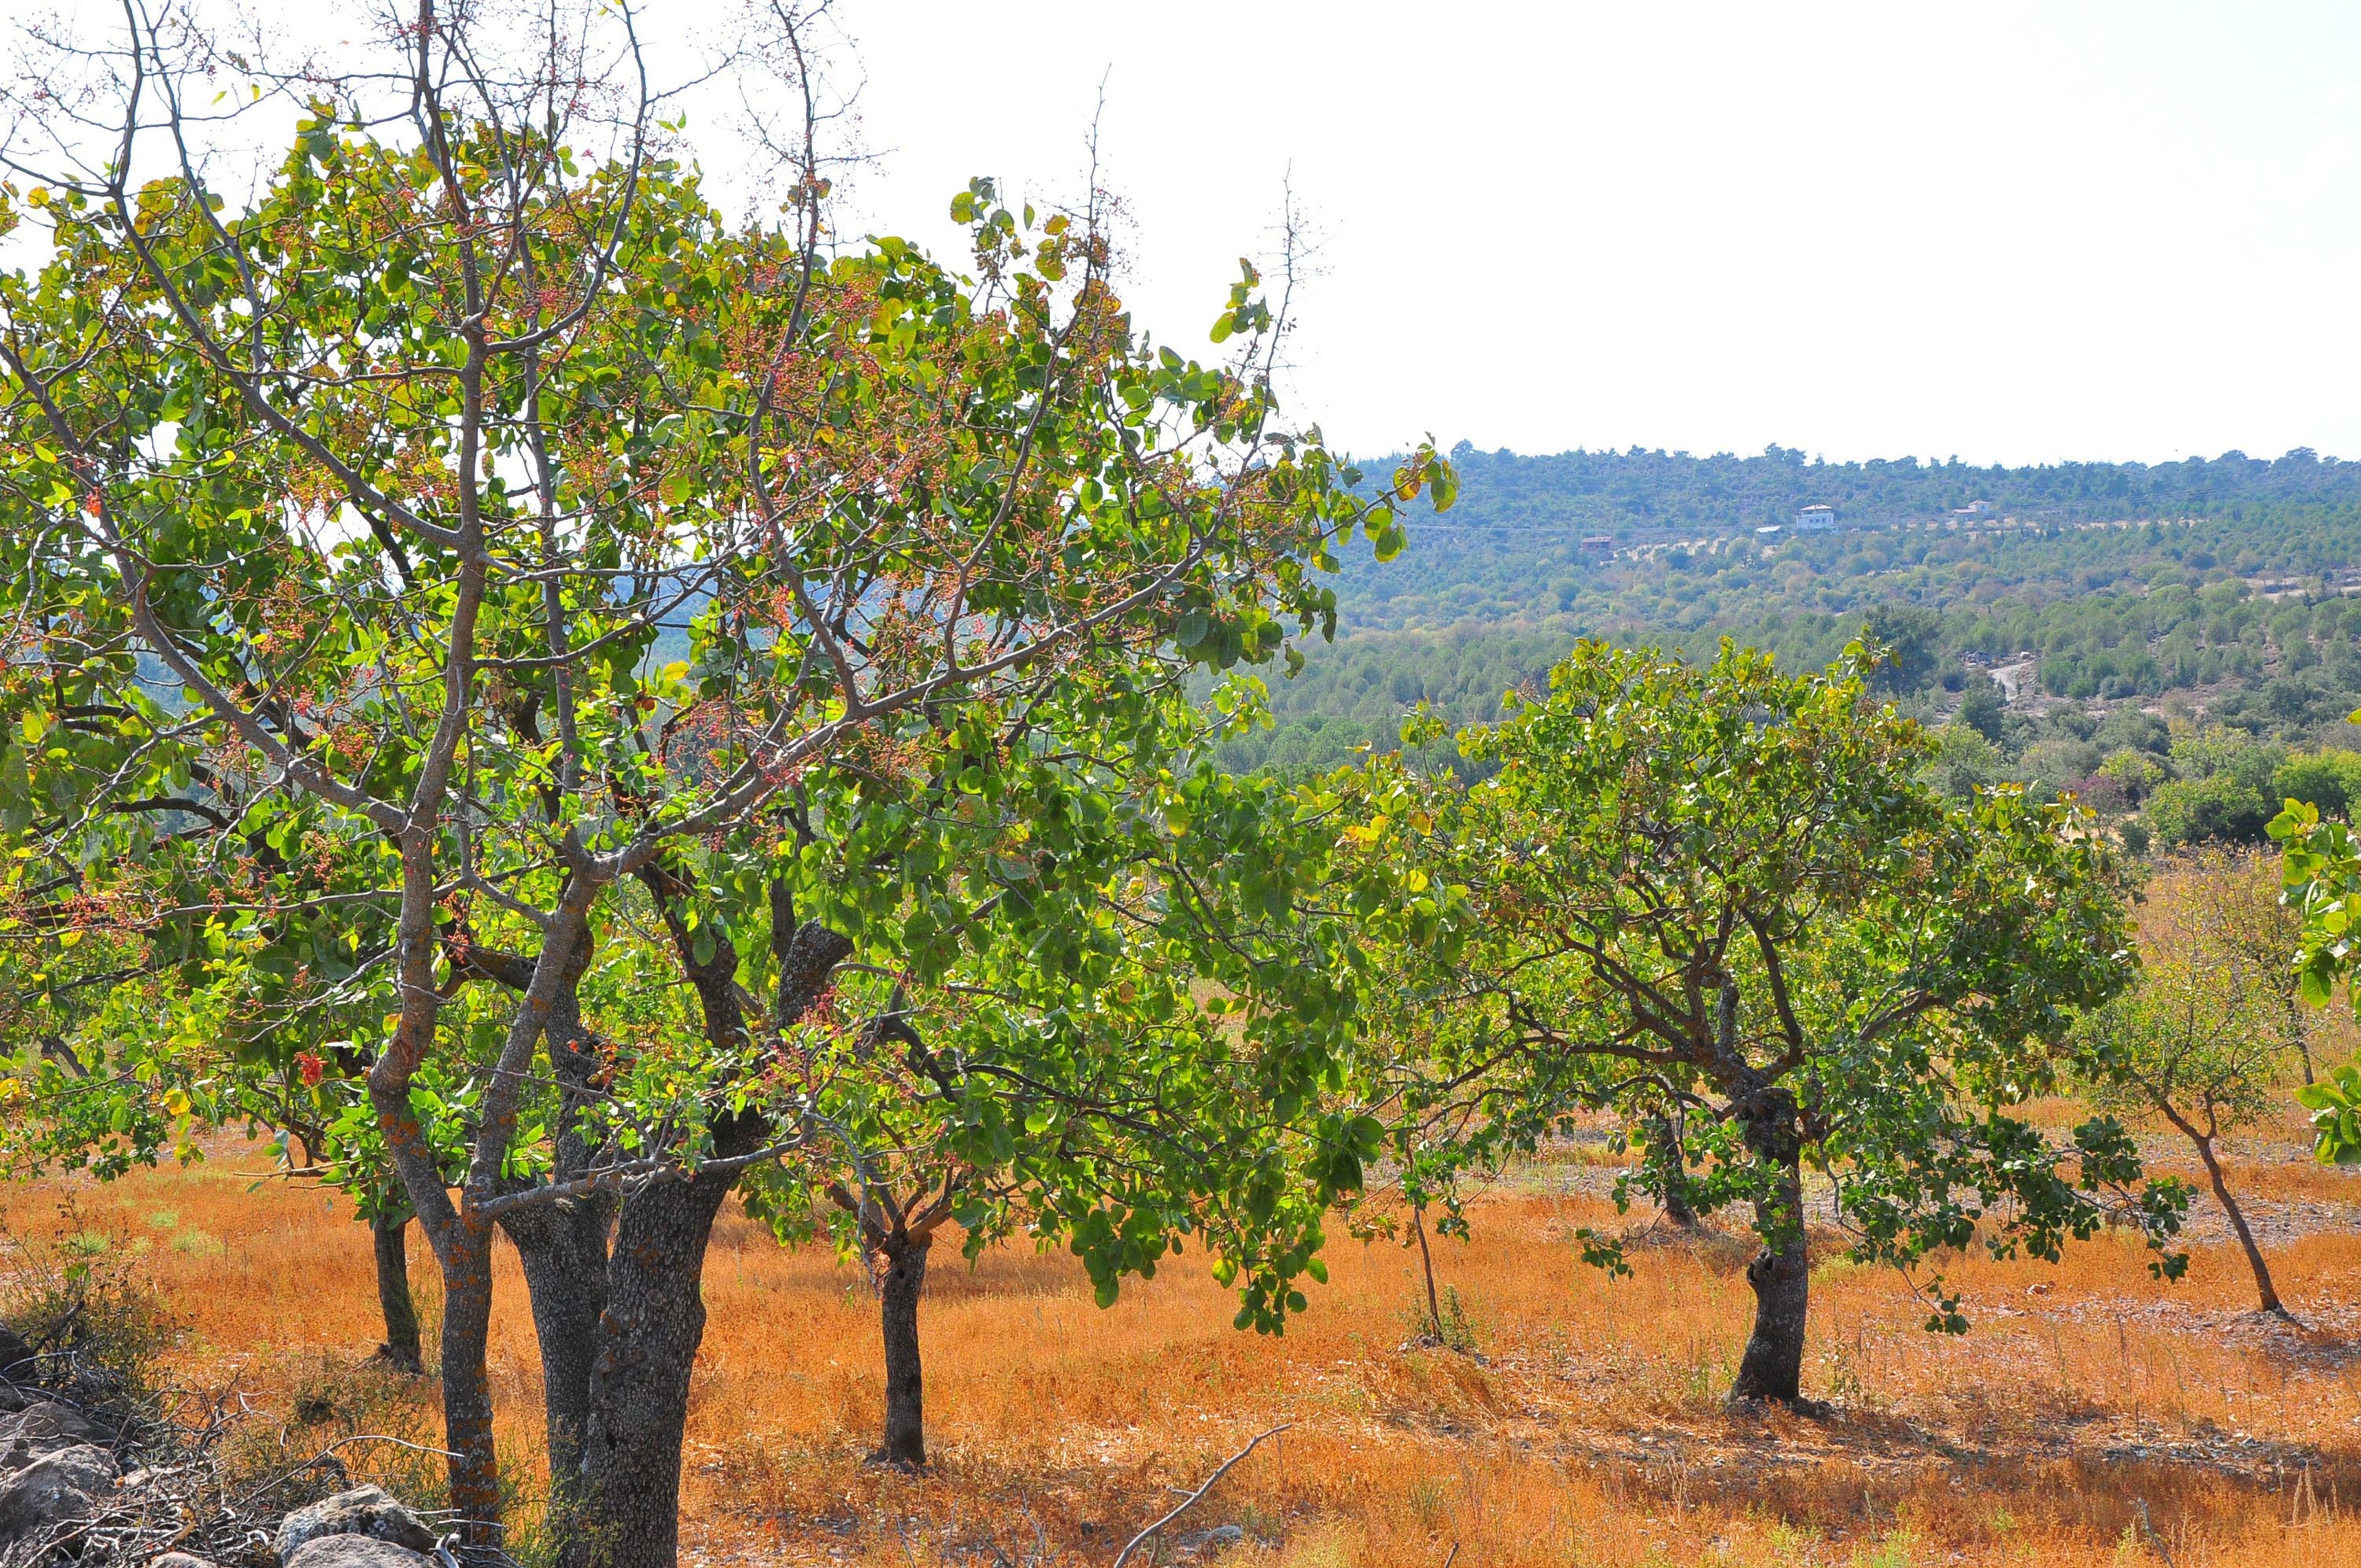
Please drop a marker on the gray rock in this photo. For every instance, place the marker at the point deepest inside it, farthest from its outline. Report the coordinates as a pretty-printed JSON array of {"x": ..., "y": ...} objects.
[
  {"x": 365, "y": 1511},
  {"x": 1218, "y": 1539},
  {"x": 53, "y": 1490},
  {"x": 355, "y": 1552},
  {"x": 45, "y": 1427},
  {"x": 178, "y": 1560}
]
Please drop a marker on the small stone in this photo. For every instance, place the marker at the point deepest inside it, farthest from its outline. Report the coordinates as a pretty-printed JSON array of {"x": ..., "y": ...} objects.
[
  {"x": 364, "y": 1511},
  {"x": 1219, "y": 1538},
  {"x": 355, "y": 1552},
  {"x": 178, "y": 1560}
]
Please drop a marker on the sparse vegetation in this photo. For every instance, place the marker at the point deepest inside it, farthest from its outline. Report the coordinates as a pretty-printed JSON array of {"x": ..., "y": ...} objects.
[{"x": 2085, "y": 1389}]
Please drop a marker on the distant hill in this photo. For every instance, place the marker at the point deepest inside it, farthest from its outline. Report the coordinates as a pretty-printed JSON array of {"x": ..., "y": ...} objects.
[
  {"x": 2222, "y": 585},
  {"x": 1620, "y": 491}
]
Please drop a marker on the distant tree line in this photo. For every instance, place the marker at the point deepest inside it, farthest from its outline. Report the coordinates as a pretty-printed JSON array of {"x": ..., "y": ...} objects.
[{"x": 1599, "y": 493}]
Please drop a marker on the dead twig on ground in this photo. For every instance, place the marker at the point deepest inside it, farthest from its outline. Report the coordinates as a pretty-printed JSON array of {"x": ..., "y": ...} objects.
[{"x": 1193, "y": 1498}]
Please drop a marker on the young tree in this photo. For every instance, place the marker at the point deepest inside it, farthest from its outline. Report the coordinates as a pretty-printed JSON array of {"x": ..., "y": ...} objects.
[
  {"x": 2202, "y": 1039},
  {"x": 1718, "y": 898},
  {"x": 1057, "y": 1074},
  {"x": 375, "y": 481},
  {"x": 2241, "y": 909}
]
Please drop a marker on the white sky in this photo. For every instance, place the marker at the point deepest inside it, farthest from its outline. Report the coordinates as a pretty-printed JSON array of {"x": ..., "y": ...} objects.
[
  {"x": 2009, "y": 231},
  {"x": 2014, "y": 233}
]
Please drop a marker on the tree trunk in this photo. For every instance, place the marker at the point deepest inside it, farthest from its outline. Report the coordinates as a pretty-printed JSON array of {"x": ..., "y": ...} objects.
[
  {"x": 1674, "y": 1195},
  {"x": 655, "y": 1317},
  {"x": 562, "y": 1247},
  {"x": 906, "y": 1401},
  {"x": 2301, "y": 1034},
  {"x": 467, "y": 1390},
  {"x": 1772, "y": 1367},
  {"x": 2263, "y": 1287},
  {"x": 1426, "y": 1265},
  {"x": 401, "y": 1347},
  {"x": 563, "y": 1250},
  {"x": 647, "y": 1345}
]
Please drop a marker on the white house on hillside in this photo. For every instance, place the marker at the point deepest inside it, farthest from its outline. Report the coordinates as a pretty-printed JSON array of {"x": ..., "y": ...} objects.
[{"x": 1816, "y": 520}]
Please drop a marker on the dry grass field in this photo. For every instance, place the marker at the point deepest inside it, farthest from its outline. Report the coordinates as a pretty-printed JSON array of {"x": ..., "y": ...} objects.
[{"x": 2092, "y": 1416}]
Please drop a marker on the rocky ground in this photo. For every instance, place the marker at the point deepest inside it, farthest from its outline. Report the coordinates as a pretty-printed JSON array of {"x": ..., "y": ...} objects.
[{"x": 87, "y": 1477}]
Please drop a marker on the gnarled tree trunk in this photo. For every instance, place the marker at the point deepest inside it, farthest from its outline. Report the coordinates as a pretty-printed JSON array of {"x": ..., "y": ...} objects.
[
  {"x": 401, "y": 1347},
  {"x": 899, "y": 1286},
  {"x": 1780, "y": 1273},
  {"x": 562, "y": 1248},
  {"x": 655, "y": 1317},
  {"x": 647, "y": 1343}
]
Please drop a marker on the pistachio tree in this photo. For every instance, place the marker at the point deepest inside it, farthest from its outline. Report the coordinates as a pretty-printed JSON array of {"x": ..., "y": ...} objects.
[
  {"x": 2201, "y": 1041},
  {"x": 462, "y": 499},
  {"x": 1714, "y": 903}
]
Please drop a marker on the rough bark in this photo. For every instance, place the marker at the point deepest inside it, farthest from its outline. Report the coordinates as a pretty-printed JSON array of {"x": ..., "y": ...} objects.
[
  {"x": 562, "y": 1248},
  {"x": 655, "y": 1317},
  {"x": 902, "y": 1280},
  {"x": 467, "y": 1264},
  {"x": 647, "y": 1343},
  {"x": 401, "y": 1347},
  {"x": 1773, "y": 1367},
  {"x": 1780, "y": 1273}
]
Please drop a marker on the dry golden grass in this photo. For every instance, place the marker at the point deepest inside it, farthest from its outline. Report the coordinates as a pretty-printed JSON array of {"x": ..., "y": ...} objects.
[{"x": 1591, "y": 1431}]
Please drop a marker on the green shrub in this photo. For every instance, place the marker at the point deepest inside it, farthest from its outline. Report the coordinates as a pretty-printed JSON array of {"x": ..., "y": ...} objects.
[{"x": 2219, "y": 808}]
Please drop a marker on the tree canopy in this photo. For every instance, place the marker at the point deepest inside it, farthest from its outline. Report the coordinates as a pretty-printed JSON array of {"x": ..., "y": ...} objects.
[
  {"x": 346, "y": 517},
  {"x": 1714, "y": 903}
]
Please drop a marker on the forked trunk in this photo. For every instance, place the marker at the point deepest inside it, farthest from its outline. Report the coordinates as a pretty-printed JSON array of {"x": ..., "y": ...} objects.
[
  {"x": 1780, "y": 1273},
  {"x": 655, "y": 1319},
  {"x": 906, "y": 1402},
  {"x": 400, "y": 1349}
]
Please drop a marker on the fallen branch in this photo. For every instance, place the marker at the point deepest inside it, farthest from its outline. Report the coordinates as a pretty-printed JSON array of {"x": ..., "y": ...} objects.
[{"x": 1193, "y": 1498}]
